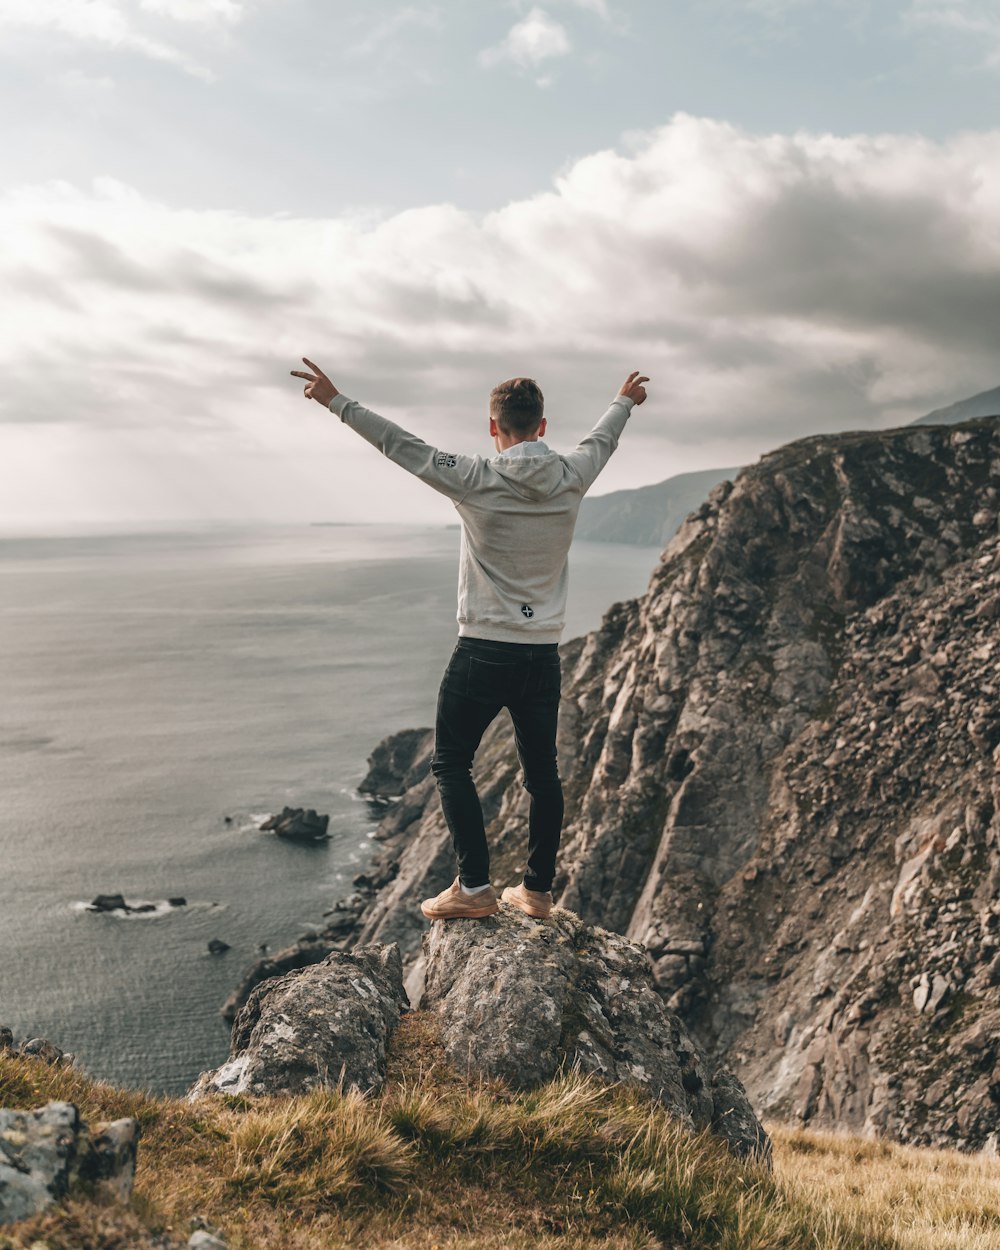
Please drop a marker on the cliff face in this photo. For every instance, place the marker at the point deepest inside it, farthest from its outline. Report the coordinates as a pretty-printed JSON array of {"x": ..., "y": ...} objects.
[{"x": 781, "y": 776}]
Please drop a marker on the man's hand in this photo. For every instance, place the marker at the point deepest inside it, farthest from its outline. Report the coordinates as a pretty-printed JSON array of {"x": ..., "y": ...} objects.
[
  {"x": 318, "y": 386},
  {"x": 633, "y": 389}
]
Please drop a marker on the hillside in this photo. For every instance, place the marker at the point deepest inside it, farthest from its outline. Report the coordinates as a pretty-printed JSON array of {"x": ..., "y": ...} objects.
[
  {"x": 781, "y": 779},
  {"x": 985, "y": 404},
  {"x": 650, "y": 515}
]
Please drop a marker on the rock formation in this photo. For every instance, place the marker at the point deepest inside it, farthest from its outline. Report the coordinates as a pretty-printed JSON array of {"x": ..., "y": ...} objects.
[
  {"x": 398, "y": 763},
  {"x": 117, "y": 902},
  {"x": 35, "y": 1048},
  {"x": 781, "y": 778},
  {"x": 308, "y": 950},
  {"x": 519, "y": 998},
  {"x": 321, "y": 1025},
  {"x": 44, "y": 1153},
  {"x": 298, "y": 824}
]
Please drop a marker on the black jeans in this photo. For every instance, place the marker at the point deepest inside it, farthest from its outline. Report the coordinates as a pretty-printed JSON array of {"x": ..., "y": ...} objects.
[{"x": 481, "y": 678}]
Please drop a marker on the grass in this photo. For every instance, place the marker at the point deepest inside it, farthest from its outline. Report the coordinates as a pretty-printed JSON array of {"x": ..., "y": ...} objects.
[
  {"x": 920, "y": 1199},
  {"x": 434, "y": 1162}
]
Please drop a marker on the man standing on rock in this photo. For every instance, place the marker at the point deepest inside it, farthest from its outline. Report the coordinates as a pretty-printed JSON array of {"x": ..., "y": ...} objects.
[{"x": 518, "y": 511}]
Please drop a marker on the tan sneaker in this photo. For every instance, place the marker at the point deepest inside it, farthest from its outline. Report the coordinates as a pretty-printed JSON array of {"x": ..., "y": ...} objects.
[
  {"x": 452, "y": 904},
  {"x": 531, "y": 902}
]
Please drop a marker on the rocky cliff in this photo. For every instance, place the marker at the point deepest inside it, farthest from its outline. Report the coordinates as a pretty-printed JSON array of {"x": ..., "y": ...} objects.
[{"x": 781, "y": 776}]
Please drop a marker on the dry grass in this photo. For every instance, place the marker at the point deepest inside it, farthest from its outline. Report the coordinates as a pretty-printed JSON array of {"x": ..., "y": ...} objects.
[
  {"x": 432, "y": 1163},
  {"x": 919, "y": 1199}
]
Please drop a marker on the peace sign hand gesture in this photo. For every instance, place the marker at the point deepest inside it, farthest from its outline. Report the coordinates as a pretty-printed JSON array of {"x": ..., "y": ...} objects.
[
  {"x": 633, "y": 387},
  {"x": 318, "y": 386}
]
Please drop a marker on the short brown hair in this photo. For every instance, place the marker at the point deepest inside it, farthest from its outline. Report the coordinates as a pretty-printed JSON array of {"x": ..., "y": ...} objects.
[{"x": 517, "y": 405}]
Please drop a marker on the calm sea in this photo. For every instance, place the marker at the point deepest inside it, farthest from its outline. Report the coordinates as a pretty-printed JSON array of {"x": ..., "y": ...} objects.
[{"x": 160, "y": 693}]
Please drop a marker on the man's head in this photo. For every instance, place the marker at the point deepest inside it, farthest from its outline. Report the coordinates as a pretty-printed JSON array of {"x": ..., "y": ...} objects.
[{"x": 517, "y": 406}]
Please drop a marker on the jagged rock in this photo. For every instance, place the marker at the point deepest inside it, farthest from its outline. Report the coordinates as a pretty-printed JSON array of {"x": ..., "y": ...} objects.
[
  {"x": 301, "y": 954},
  {"x": 398, "y": 762},
  {"x": 44, "y": 1153},
  {"x": 42, "y": 1048},
  {"x": 34, "y": 1048},
  {"x": 118, "y": 902},
  {"x": 200, "y": 1239},
  {"x": 298, "y": 824},
  {"x": 216, "y": 946},
  {"x": 519, "y": 998},
  {"x": 109, "y": 902},
  {"x": 319, "y": 1026}
]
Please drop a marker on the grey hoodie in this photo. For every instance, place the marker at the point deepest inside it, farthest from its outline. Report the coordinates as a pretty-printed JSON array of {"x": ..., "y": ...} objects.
[{"x": 518, "y": 510}]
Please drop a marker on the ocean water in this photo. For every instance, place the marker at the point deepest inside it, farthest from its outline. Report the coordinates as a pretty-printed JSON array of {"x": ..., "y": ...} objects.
[{"x": 161, "y": 693}]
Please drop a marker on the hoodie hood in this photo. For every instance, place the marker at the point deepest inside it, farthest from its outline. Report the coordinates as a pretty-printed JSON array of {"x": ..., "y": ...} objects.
[{"x": 532, "y": 469}]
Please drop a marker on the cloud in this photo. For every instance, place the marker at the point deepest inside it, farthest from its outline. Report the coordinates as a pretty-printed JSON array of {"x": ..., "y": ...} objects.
[
  {"x": 84, "y": 85},
  {"x": 975, "y": 19},
  {"x": 119, "y": 24},
  {"x": 197, "y": 11},
  {"x": 599, "y": 7},
  {"x": 380, "y": 33},
  {"x": 529, "y": 42},
  {"x": 772, "y": 286}
]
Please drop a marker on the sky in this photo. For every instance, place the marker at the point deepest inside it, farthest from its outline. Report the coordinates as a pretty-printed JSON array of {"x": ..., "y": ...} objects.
[{"x": 785, "y": 212}]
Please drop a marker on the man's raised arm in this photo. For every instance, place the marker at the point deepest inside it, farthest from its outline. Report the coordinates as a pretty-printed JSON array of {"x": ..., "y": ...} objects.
[
  {"x": 451, "y": 474},
  {"x": 595, "y": 451}
]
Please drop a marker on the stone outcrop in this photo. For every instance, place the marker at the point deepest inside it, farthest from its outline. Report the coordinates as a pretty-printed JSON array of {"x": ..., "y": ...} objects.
[
  {"x": 298, "y": 824},
  {"x": 322, "y": 1025},
  {"x": 308, "y": 950},
  {"x": 519, "y": 999},
  {"x": 118, "y": 903},
  {"x": 398, "y": 763},
  {"x": 34, "y": 1048},
  {"x": 45, "y": 1153},
  {"x": 781, "y": 779}
]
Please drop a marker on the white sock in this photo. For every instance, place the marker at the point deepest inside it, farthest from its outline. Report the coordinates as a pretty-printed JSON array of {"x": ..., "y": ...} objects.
[{"x": 474, "y": 889}]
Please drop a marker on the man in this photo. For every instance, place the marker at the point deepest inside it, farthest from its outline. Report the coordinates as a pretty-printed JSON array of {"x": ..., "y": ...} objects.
[{"x": 518, "y": 510}]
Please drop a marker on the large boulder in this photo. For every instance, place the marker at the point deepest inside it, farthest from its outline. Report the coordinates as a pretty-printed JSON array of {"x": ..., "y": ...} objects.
[
  {"x": 520, "y": 998},
  {"x": 44, "y": 1153},
  {"x": 301, "y": 954},
  {"x": 298, "y": 824},
  {"x": 318, "y": 1026}
]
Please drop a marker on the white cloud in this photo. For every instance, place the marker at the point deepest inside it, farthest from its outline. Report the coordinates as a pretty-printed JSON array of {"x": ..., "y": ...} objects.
[
  {"x": 82, "y": 84},
  {"x": 379, "y": 33},
  {"x": 600, "y": 7},
  {"x": 118, "y": 24},
  {"x": 529, "y": 42},
  {"x": 771, "y": 285},
  {"x": 975, "y": 19},
  {"x": 203, "y": 11},
  {"x": 774, "y": 8}
]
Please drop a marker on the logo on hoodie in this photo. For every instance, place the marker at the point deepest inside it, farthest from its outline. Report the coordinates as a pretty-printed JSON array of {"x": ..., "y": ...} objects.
[
  {"x": 445, "y": 460},
  {"x": 527, "y": 610}
]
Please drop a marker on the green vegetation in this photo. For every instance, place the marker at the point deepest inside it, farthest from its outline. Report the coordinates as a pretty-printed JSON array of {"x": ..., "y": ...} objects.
[{"x": 433, "y": 1162}]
